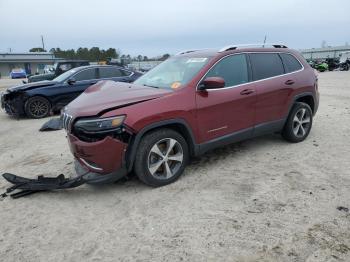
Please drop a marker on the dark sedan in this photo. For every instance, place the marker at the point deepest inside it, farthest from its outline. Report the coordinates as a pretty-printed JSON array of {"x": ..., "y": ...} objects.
[{"x": 39, "y": 99}]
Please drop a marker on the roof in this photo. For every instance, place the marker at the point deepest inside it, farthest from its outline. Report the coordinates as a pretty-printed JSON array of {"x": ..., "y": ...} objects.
[
  {"x": 72, "y": 60},
  {"x": 27, "y": 57},
  {"x": 93, "y": 66},
  {"x": 215, "y": 52},
  {"x": 265, "y": 47}
]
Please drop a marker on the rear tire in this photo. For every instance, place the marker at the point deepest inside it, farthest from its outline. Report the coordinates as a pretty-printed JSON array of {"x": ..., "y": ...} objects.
[
  {"x": 161, "y": 157},
  {"x": 298, "y": 124},
  {"x": 37, "y": 107}
]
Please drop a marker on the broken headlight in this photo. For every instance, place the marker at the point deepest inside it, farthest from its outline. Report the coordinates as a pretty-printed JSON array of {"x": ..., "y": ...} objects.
[{"x": 99, "y": 125}]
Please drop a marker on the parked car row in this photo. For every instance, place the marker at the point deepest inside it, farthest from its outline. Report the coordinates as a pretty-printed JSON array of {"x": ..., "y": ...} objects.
[
  {"x": 189, "y": 104},
  {"x": 38, "y": 99}
]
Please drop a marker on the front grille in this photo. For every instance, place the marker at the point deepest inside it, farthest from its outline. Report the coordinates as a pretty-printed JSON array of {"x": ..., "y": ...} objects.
[{"x": 66, "y": 121}]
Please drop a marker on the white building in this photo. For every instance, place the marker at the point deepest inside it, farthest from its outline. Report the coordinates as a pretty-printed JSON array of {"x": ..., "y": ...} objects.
[
  {"x": 326, "y": 52},
  {"x": 32, "y": 62}
]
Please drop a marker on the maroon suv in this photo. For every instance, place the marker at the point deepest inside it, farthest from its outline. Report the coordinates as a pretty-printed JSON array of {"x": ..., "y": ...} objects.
[{"x": 191, "y": 103}]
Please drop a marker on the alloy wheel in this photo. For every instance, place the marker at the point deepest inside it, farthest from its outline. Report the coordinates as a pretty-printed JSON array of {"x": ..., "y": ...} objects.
[
  {"x": 301, "y": 122},
  {"x": 165, "y": 158},
  {"x": 38, "y": 108}
]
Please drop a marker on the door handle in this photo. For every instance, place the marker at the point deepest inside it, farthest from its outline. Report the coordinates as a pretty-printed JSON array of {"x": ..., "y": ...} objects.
[
  {"x": 247, "y": 91},
  {"x": 289, "y": 82}
]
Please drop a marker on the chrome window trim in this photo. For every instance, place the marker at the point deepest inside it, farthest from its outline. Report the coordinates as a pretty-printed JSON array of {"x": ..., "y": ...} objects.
[{"x": 245, "y": 52}]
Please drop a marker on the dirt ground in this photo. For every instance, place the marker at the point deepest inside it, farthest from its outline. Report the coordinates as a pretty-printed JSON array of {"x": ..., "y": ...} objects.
[{"x": 259, "y": 200}]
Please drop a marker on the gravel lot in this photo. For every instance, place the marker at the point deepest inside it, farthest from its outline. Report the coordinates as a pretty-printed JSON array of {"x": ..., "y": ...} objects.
[{"x": 259, "y": 200}]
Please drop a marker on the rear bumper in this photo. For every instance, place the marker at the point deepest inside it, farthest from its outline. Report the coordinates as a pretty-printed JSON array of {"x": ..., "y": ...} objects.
[
  {"x": 102, "y": 161},
  {"x": 14, "y": 76}
]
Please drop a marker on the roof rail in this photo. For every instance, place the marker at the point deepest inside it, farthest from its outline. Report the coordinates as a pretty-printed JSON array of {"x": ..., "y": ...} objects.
[
  {"x": 233, "y": 47},
  {"x": 195, "y": 50},
  {"x": 185, "y": 52}
]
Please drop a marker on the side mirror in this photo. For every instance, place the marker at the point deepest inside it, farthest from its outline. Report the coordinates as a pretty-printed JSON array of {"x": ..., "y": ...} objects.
[
  {"x": 212, "y": 83},
  {"x": 71, "y": 81}
]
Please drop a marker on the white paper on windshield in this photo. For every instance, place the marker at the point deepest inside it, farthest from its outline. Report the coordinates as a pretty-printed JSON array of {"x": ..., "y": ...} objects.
[{"x": 196, "y": 60}]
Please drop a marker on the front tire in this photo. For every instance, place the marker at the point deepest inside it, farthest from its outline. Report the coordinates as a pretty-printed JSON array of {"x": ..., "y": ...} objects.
[
  {"x": 37, "y": 107},
  {"x": 161, "y": 157},
  {"x": 298, "y": 124}
]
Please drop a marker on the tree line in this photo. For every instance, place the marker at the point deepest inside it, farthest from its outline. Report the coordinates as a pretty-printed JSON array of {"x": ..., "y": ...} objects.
[{"x": 95, "y": 54}]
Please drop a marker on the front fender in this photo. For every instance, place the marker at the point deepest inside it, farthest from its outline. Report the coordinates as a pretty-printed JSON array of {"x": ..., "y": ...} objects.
[{"x": 132, "y": 148}]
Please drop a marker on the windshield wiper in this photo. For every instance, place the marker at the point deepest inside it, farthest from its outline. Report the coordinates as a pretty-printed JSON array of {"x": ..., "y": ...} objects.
[{"x": 151, "y": 86}]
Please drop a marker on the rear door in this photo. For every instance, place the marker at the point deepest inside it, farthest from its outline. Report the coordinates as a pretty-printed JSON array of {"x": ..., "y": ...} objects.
[
  {"x": 272, "y": 86},
  {"x": 229, "y": 109}
]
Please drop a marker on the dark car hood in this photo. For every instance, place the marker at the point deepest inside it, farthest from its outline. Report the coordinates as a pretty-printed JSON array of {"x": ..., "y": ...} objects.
[
  {"x": 41, "y": 77},
  {"x": 109, "y": 95},
  {"x": 31, "y": 86}
]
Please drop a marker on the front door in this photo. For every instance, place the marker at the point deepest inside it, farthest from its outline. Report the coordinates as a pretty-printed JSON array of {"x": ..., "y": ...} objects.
[
  {"x": 69, "y": 91},
  {"x": 230, "y": 109}
]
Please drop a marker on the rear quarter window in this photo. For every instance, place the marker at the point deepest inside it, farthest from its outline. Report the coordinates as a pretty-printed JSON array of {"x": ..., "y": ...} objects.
[
  {"x": 291, "y": 64},
  {"x": 265, "y": 65}
]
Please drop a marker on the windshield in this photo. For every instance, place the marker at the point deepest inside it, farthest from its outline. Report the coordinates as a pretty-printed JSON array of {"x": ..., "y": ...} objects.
[
  {"x": 65, "y": 75},
  {"x": 173, "y": 73}
]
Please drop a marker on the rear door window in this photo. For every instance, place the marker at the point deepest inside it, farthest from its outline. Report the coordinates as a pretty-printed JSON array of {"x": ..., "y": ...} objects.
[
  {"x": 265, "y": 65},
  {"x": 86, "y": 74},
  {"x": 233, "y": 69},
  {"x": 109, "y": 72},
  {"x": 291, "y": 64}
]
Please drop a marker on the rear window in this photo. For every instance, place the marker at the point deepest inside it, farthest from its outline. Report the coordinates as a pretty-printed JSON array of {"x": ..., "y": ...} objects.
[
  {"x": 265, "y": 65},
  {"x": 291, "y": 64}
]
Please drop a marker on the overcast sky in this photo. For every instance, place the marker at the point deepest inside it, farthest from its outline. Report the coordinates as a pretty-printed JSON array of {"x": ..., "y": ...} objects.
[{"x": 155, "y": 27}]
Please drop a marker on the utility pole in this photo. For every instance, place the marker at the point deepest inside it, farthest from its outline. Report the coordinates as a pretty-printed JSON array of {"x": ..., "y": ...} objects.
[
  {"x": 264, "y": 41},
  {"x": 42, "y": 42}
]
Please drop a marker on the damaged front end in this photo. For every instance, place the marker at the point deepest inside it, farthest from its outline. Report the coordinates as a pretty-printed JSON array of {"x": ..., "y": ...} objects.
[
  {"x": 99, "y": 147},
  {"x": 12, "y": 103},
  {"x": 99, "y": 157}
]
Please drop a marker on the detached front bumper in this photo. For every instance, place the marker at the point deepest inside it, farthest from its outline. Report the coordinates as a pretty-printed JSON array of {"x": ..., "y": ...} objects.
[
  {"x": 12, "y": 106},
  {"x": 102, "y": 161}
]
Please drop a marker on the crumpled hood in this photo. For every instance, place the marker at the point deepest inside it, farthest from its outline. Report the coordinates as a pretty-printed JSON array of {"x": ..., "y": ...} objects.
[
  {"x": 109, "y": 95},
  {"x": 31, "y": 86}
]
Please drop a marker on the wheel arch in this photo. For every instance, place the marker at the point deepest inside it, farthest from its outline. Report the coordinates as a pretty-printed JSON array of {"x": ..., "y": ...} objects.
[
  {"x": 179, "y": 125},
  {"x": 32, "y": 96},
  {"x": 306, "y": 97},
  {"x": 29, "y": 96}
]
